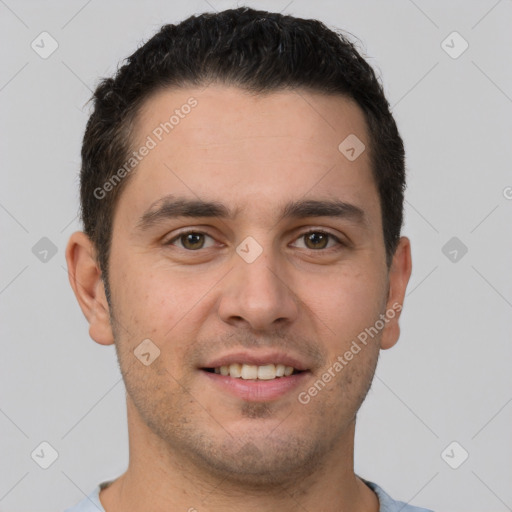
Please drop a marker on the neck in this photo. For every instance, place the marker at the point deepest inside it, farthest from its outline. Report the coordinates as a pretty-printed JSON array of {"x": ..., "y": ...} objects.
[{"x": 161, "y": 479}]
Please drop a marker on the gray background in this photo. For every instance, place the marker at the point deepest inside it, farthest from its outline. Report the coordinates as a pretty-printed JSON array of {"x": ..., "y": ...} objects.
[{"x": 448, "y": 379}]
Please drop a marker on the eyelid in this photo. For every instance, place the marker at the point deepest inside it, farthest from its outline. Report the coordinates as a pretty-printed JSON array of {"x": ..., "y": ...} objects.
[
  {"x": 187, "y": 231},
  {"x": 339, "y": 241}
]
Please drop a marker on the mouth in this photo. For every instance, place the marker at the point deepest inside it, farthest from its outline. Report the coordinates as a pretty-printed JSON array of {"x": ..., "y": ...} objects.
[
  {"x": 247, "y": 371},
  {"x": 256, "y": 378}
]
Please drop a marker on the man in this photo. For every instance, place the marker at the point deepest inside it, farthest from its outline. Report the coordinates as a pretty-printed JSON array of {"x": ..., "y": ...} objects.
[{"x": 241, "y": 193}]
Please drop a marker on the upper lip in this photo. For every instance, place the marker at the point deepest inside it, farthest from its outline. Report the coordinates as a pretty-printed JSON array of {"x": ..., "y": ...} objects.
[{"x": 258, "y": 359}]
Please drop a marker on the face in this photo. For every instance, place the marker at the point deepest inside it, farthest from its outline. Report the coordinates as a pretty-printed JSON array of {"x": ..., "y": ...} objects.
[{"x": 247, "y": 243}]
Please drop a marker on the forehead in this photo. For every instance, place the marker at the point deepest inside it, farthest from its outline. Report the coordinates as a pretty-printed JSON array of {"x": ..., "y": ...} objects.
[
  {"x": 224, "y": 144},
  {"x": 309, "y": 122}
]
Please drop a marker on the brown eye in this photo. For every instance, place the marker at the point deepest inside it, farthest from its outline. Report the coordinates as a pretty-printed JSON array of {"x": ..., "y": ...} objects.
[
  {"x": 191, "y": 240},
  {"x": 318, "y": 240}
]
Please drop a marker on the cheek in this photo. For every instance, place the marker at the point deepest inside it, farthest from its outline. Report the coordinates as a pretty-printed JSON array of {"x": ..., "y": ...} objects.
[
  {"x": 165, "y": 307},
  {"x": 347, "y": 302},
  {"x": 153, "y": 300}
]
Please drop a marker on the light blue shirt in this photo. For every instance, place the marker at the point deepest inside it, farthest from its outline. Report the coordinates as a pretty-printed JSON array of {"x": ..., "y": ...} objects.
[{"x": 92, "y": 502}]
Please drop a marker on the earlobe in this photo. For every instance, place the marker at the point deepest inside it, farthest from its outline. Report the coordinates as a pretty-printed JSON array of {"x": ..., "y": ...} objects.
[
  {"x": 399, "y": 274},
  {"x": 85, "y": 279}
]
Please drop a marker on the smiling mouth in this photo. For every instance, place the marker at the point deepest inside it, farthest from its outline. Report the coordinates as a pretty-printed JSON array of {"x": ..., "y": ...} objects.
[{"x": 254, "y": 372}]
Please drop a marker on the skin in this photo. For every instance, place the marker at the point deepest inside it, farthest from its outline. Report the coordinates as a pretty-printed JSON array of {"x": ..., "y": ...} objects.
[{"x": 193, "y": 446}]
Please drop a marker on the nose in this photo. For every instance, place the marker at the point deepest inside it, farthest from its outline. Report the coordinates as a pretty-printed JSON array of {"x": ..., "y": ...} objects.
[{"x": 258, "y": 294}]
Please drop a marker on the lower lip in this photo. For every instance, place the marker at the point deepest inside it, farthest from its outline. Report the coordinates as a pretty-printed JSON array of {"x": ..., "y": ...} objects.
[{"x": 257, "y": 390}]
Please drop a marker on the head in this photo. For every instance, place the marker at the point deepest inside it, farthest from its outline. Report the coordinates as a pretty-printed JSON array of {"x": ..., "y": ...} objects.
[
  {"x": 244, "y": 114},
  {"x": 256, "y": 51}
]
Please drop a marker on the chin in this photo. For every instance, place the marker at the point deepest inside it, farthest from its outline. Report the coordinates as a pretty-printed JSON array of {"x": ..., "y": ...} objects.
[{"x": 263, "y": 460}]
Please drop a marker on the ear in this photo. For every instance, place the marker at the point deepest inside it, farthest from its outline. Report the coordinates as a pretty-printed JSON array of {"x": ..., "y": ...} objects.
[
  {"x": 399, "y": 274},
  {"x": 85, "y": 279}
]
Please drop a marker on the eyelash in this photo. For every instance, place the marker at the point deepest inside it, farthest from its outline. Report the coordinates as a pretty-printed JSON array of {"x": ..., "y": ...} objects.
[{"x": 317, "y": 231}]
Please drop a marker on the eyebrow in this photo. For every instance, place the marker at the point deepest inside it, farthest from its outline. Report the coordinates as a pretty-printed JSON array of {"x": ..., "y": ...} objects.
[{"x": 171, "y": 207}]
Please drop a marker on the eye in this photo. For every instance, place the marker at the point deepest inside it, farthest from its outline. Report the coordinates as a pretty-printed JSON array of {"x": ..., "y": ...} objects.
[
  {"x": 317, "y": 240},
  {"x": 313, "y": 240},
  {"x": 191, "y": 240}
]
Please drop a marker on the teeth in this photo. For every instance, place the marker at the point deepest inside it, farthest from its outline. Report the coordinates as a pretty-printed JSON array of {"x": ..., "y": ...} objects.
[
  {"x": 249, "y": 371},
  {"x": 235, "y": 370},
  {"x": 252, "y": 371},
  {"x": 288, "y": 371},
  {"x": 267, "y": 372}
]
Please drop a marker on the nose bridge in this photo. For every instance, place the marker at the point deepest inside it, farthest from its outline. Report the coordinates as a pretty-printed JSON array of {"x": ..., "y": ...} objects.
[{"x": 256, "y": 292}]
